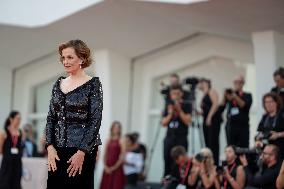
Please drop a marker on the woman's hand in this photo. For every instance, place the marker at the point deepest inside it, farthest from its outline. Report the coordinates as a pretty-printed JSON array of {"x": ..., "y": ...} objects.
[
  {"x": 208, "y": 121},
  {"x": 274, "y": 135},
  {"x": 51, "y": 157},
  {"x": 76, "y": 163},
  {"x": 244, "y": 160}
]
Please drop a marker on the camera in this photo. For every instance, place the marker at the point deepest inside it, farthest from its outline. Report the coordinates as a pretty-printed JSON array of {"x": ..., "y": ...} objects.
[
  {"x": 200, "y": 157},
  {"x": 247, "y": 151},
  {"x": 221, "y": 168},
  {"x": 263, "y": 136}
]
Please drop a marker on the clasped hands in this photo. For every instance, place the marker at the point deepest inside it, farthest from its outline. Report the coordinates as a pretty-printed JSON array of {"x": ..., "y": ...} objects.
[{"x": 76, "y": 161}]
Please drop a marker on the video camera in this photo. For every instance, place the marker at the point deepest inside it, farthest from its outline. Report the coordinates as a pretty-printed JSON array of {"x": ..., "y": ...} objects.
[
  {"x": 263, "y": 137},
  {"x": 200, "y": 157}
]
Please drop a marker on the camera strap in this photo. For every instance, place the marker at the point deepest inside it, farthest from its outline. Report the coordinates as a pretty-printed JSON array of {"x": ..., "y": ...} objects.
[
  {"x": 184, "y": 174},
  {"x": 230, "y": 171}
]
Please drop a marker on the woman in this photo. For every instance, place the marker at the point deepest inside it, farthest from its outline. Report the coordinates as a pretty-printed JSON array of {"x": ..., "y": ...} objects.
[
  {"x": 211, "y": 117},
  {"x": 12, "y": 148},
  {"x": 133, "y": 161},
  {"x": 234, "y": 174},
  {"x": 113, "y": 176},
  {"x": 73, "y": 121},
  {"x": 203, "y": 173},
  {"x": 272, "y": 122}
]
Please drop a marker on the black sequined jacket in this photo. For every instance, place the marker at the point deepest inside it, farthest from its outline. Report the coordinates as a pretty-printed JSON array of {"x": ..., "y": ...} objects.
[{"x": 74, "y": 118}]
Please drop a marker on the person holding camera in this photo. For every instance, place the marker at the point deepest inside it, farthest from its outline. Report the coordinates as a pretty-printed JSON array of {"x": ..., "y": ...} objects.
[
  {"x": 238, "y": 105},
  {"x": 203, "y": 174},
  {"x": 181, "y": 170},
  {"x": 278, "y": 77},
  {"x": 176, "y": 118},
  {"x": 267, "y": 175},
  {"x": 211, "y": 117},
  {"x": 271, "y": 126},
  {"x": 233, "y": 174}
]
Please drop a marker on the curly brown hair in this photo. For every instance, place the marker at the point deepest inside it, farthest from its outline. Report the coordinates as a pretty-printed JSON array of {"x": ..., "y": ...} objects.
[{"x": 81, "y": 50}]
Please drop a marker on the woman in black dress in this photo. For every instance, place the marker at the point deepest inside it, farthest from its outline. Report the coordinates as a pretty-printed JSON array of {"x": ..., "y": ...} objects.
[
  {"x": 73, "y": 121},
  {"x": 211, "y": 117},
  {"x": 11, "y": 147}
]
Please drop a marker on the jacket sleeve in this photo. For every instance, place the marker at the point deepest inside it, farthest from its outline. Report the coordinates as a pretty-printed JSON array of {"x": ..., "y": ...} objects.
[
  {"x": 51, "y": 120},
  {"x": 95, "y": 116}
]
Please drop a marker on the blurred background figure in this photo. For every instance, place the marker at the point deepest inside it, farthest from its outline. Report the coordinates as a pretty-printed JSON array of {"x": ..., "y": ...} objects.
[
  {"x": 271, "y": 126},
  {"x": 280, "y": 178},
  {"x": 11, "y": 147},
  {"x": 211, "y": 117},
  {"x": 30, "y": 147},
  {"x": 133, "y": 161},
  {"x": 268, "y": 173},
  {"x": 113, "y": 176},
  {"x": 176, "y": 118},
  {"x": 278, "y": 77},
  {"x": 143, "y": 150},
  {"x": 238, "y": 104},
  {"x": 204, "y": 173},
  {"x": 232, "y": 173}
]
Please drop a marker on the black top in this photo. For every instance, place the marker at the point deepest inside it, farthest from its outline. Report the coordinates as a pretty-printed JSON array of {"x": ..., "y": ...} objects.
[
  {"x": 206, "y": 105},
  {"x": 233, "y": 172},
  {"x": 181, "y": 174},
  {"x": 239, "y": 117},
  {"x": 279, "y": 91},
  {"x": 265, "y": 180},
  {"x": 74, "y": 118},
  {"x": 8, "y": 144},
  {"x": 276, "y": 124},
  {"x": 176, "y": 127}
]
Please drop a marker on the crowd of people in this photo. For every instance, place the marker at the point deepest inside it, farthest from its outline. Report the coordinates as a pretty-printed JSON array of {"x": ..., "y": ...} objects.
[{"x": 245, "y": 166}]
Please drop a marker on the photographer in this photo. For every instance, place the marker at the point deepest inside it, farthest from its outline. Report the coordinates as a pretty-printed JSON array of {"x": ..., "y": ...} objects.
[
  {"x": 238, "y": 103},
  {"x": 278, "y": 77},
  {"x": 271, "y": 126},
  {"x": 176, "y": 118},
  {"x": 266, "y": 178},
  {"x": 180, "y": 173},
  {"x": 203, "y": 174},
  {"x": 233, "y": 173},
  {"x": 211, "y": 117}
]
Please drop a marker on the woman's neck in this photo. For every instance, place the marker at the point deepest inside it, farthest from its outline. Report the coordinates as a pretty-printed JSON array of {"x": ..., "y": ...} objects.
[
  {"x": 13, "y": 129},
  {"x": 79, "y": 74},
  {"x": 272, "y": 114},
  {"x": 231, "y": 162}
]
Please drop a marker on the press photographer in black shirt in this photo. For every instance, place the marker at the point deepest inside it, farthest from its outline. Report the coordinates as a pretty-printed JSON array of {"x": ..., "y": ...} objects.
[
  {"x": 176, "y": 118},
  {"x": 238, "y": 105},
  {"x": 181, "y": 170},
  {"x": 278, "y": 77},
  {"x": 271, "y": 126},
  {"x": 233, "y": 174},
  {"x": 266, "y": 178}
]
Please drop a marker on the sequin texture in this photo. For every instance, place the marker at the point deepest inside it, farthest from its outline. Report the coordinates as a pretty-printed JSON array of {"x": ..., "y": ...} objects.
[{"x": 74, "y": 118}]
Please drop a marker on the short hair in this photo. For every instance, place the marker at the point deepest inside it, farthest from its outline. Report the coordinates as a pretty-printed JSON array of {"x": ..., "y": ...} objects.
[
  {"x": 81, "y": 50},
  {"x": 177, "y": 151},
  {"x": 276, "y": 98},
  {"x": 131, "y": 137},
  {"x": 280, "y": 72}
]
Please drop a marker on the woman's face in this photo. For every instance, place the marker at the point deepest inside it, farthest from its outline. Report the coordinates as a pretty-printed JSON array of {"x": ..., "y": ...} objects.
[
  {"x": 116, "y": 129},
  {"x": 70, "y": 60},
  {"x": 128, "y": 143},
  {"x": 270, "y": 105},
  {"x": 230, "y": 154},
  {"x": 16, "y": 120},
  {"x": 202, "y": 86}
]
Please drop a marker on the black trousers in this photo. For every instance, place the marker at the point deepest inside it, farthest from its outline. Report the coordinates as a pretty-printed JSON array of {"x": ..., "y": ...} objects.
[
  {"x": 171, "y": 141},
  {"x": 60, "y": 179},
  {"x": 211, "y": 137},
  {"x": 238, "y": 135}
]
